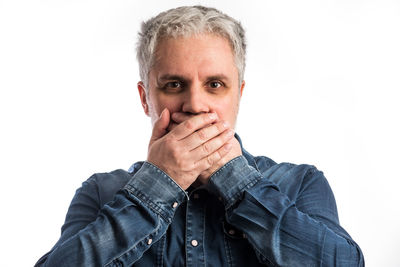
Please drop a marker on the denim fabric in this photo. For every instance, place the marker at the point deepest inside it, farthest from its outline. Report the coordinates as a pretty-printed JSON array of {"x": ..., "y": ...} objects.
[{"x": 252, "y": 212}]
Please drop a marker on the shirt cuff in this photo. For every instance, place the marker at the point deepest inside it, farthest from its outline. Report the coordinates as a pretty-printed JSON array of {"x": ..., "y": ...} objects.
[
  {"x": 232, "y": 179},
  {"x": 156, "y": 190}
]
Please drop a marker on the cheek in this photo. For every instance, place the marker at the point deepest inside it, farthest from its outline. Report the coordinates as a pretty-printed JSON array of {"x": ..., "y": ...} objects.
[
  {"x": 171, "y": 103},
  {"x": 226, "y": 110}
]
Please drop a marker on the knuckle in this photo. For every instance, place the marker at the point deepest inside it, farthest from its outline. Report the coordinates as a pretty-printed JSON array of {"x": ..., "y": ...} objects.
[
  {"x": 174, "y": 153},
  {"x": 210, "y": 160},
  {"x": 218, "y": 156},
  {"x": 207, "y": 148},
  {"x": 188, "y": 124},
  {"x": 169, "y": 139},
  {"x": 219, "y": 142},
  {"x": 220, "y": 153},
  {"x": 202, "y": 135},
  {"x": 180, "y": 164},
  {"x": 221, "y": 126}
]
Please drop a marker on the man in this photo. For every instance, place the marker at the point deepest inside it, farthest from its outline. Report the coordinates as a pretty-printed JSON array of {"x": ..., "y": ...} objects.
[{"x": 200, "y": 199}]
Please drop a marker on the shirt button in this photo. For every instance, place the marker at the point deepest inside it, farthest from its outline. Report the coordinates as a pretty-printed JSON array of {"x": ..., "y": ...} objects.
[
  {"x": 175, "y": 205},
  {"x": 194, "y": 243},
  {"x": 149, "y": 241},
  {"x": 196, "y": 196},
  {"x": 220, "y": 198},
  {"x": 231, "y": 232}
]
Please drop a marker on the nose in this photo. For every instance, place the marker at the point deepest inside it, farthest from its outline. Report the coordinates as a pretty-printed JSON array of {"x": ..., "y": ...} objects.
[{"x": 195, "y": 100}]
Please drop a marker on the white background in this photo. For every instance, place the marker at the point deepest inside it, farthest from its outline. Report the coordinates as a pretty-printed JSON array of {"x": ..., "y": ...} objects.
[{"x": 322, "y": 88}]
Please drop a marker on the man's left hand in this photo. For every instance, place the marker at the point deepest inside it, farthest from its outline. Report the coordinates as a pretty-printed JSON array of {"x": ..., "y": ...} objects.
[{"x": 179, "y": 117}]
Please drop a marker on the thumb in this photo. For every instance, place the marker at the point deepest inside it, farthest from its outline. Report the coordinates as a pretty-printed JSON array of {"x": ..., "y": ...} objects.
[{"x": 160, "y": 126}]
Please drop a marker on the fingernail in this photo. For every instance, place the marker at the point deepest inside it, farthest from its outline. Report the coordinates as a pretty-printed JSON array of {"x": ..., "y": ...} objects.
[
  {"x": 231, "y": 133},
  {"x": 225, "y": 124},
  {"x": 162, "y": 113},
  {"x": 212, "y": 116}
]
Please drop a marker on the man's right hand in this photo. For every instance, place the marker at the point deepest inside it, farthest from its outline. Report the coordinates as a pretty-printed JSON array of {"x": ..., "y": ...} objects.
[{"x": 190, "y": 148}]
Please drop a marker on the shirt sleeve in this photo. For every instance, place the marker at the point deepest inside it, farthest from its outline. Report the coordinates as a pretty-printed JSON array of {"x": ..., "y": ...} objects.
[
  {"x": 123, "y": 229},
  {"x": 294, "y": 223}
]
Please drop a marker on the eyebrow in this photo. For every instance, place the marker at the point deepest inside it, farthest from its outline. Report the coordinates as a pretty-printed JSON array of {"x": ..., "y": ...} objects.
[
  {"x": 218, "y": 77},
  {"x": 167, "y": 77}
]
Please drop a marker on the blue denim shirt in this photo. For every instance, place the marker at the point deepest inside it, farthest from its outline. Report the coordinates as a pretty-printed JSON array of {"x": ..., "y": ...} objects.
[{"x": 252, "y": 212}]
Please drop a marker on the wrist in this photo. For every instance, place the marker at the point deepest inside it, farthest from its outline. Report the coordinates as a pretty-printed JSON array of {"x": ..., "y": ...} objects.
[{"x": 231, "y": 180}]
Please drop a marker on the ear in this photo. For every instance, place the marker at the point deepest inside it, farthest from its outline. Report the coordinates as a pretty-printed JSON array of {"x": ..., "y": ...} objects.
[
  {"x": 143, "y": 97},
  {"x": 242, "y": 87}
]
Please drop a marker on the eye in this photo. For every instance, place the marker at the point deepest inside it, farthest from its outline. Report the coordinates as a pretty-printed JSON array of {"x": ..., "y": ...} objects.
[
  {"x": 215, "y": 84},
  {"x": 173, "y": 85}
]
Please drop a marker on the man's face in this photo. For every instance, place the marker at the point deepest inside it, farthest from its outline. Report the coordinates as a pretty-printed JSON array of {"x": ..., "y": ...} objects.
[{"x": 193, "y": 75}]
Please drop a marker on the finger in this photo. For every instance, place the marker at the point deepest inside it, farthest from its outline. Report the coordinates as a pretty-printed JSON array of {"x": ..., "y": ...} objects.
[
  {"x": 172, "y": 125},
  {"x": 212, "y": 145},
  {"x": 211, "y": 159},
  {"x": 177, "y": 118},
  {"x": 180, "y": 117},
  {"x": 160, "y": 125},
  {"x": 193, "y": 124},
  {"x": 205, "y": 134}
]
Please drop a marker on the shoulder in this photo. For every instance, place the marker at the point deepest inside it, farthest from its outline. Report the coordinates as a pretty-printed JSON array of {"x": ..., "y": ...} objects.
[
  {"x": 113, "y": 180},
  {"x": 277, "y": 171},
  {"x": 292, "y": 179},
  {"x": 116, "y": 178},
  {"x": 103, "y": 186}
]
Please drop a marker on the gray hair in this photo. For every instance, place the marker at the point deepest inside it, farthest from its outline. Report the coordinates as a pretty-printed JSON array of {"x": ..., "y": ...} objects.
[{"x": 187, "y": 21}]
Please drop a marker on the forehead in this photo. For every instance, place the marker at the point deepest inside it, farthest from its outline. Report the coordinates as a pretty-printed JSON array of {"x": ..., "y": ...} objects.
[{"x": 203, "y": 54}]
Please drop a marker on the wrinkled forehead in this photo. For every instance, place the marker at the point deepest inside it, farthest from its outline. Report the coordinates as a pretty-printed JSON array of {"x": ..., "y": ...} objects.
[
  {"x": 174, "y": 47},
  {"x": 197, "y": 56}
]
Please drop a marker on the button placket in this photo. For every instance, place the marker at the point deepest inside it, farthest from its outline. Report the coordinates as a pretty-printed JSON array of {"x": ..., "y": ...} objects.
[{"x": 195, "y": 231}]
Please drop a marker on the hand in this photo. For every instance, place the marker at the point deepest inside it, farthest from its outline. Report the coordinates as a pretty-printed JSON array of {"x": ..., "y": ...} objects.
[
  {"x": 235, "y": 151},
  {"x": 190, "y": 148}
]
